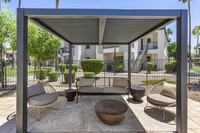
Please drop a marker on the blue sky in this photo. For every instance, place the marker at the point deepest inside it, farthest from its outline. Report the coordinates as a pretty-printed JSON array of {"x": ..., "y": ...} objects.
[{"x": 117, "y": 4}]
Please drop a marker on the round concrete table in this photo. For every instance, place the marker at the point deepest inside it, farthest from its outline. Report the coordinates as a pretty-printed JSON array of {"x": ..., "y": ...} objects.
[
  {"x": 111, "y": 111},
  {"x": 137, "y": 92}
]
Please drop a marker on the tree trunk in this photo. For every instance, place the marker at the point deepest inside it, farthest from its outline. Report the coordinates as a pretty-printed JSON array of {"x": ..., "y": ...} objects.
[
  {"x": 57, "y": 4},
  {"x": 19, "y": 4},
  {"x": 39, "y": 70},
  {"x": 189, "y": 39},
  {"x": 13, "y": 60}
]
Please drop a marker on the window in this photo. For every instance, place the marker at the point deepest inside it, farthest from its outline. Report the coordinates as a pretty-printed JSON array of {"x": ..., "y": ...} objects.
[
  {"x": 149, "y": 40},
  {"x": 87, "y": 46},
  {"x": 148, "y": 58},
  {"x": 87, "y": 57}
]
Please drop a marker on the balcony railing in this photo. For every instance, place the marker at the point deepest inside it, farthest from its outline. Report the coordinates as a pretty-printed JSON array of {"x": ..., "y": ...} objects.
[
  {"x": 152, "y": 45},
  {"x": 110, "y": 46}
]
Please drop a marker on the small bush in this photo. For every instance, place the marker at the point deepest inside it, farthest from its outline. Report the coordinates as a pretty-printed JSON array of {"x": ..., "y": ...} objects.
[
  {"x": 66, "y": 76},
  {"x": 109, "y": 67},
  {"x": 43, "y": 74},
  {"x": 170, "y": 66},
  {"x": 118, "y": 64},
  {"x": 89, "y": 74},
  {"x": 48, "y": 68},
  {"x": 92, "y": 65},
  {"x": 74, "y": 67},
  {"x": 53, "y": 76},
  {"x": 150, "y": 67},
  {"x": 62, "y": 67}
]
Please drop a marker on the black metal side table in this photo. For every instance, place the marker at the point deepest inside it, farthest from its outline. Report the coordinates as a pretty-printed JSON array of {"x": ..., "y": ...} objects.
[
  {"x": 70, "y": 94},
  {"x": 137, "y": 92}
]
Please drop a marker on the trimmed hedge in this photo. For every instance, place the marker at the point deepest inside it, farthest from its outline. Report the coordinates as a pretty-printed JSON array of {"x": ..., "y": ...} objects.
[
  {"x": 89, "y": 74},
  {"x": 150, "y": 66},
  {"x": 74, "y": 67},
  {"x": 66, "y": 75},
  {"x": 53, "y": 76},
  {"x": 48, "y": 68},
  {"x": 43, "y": 74},
  {"x": 92, "y": 65},
  {"x": 62, "y": 67},
  {"x": 170, "y": 66}
]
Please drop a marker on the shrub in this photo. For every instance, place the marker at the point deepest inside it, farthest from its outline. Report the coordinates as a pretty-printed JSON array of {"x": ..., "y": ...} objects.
[
  {"x": 48, "y": 68},
  {"x": 150, "y": 66},
  {"x": 43, "y": 74},
  {"x": 66, "y": 75},
  {"x": 109, "y": 67},
  {"x": 74, "y": 67},
  {"x": 53, "y": 76},
  {"x": 118, "y": 64},
  {"x": 92, "y": 65},
  {"x": 62, "y": 67},
  {"x": 170, "y": 66},
  {"x": 89, "y": 74}
]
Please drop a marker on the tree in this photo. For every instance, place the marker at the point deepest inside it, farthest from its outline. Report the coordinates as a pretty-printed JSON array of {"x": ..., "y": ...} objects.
[
  {"x": 57, "y": 4},
  {"x": 42, "y": 45},
  {"x": 5, "y": 1},
  {"x": 196, "y": 32},
  {"x": 169, "y": 32},
  {"x": 171, "y": 50}
]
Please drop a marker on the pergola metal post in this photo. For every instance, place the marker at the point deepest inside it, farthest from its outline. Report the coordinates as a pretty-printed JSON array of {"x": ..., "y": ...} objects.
[
  {"x": 129, "y": 62},
  {"x": 181, "y": 101},
  {"x": 22, "y": 32},
  {"x": 70, "y": 66}
]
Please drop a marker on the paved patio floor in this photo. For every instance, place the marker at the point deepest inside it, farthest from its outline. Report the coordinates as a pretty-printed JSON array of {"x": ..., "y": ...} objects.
[{"x": 81, "y": 117}]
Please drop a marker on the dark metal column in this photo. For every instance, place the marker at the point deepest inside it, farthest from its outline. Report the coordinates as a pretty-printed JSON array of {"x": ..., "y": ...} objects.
[
  {"x": 70, "y": 65},
  {"x": 22, "y": 31},
  {"x": 129, "y": 62},
  {"x": 181, "y": 93}
]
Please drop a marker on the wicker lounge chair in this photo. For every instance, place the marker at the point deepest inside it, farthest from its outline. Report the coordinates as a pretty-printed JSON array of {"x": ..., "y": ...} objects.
[
  {"x": 41, "y": 95},
  {"x": 162, "y": 95}
]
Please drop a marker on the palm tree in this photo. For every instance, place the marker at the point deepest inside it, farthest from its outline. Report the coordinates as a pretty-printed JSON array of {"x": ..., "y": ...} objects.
[
  {"x": 169, "y": 32},
  {"x": 19, "y": 4},
  {"x": 3, "y": 1},
  {"x": 57, "y": 4},
  {"x": 196, "y": 32}
]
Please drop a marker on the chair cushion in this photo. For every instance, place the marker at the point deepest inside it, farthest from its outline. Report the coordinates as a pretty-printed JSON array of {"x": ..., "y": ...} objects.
[
  {"x": 43, "y": 99},
  {"x": 120, "y": 82},
  {"x": 90, "y": 90},
  {"x": 35, "y": 89},
  {"x": 115, "y": 90},
  {"x": 160, "y": 100},
  {"x": 169, "y": 90},
  {"x": 83, "y": 82}
]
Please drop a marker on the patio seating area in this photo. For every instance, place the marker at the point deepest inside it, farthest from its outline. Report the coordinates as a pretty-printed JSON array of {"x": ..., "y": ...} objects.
[{"x": 70, "y": 118}]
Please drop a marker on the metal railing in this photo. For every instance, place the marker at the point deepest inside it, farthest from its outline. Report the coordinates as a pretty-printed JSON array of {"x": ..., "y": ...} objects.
[{"x": 109, "y": 70}]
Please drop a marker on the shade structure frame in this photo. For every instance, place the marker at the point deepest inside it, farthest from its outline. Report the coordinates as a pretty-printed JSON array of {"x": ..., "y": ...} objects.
[{"x": 33, "y": 14}]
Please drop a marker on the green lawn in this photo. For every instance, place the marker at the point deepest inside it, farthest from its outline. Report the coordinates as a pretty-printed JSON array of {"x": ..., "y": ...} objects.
[
  {"x": 13, "y": 72},
  {"x": 153, "y": 82},
  {"x": 195, "y": 70}
]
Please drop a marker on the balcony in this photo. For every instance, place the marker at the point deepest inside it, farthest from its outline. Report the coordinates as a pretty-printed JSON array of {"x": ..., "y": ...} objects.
[
  {"x": 110, "y": 48},
  {"x": 152, "y": 45}
]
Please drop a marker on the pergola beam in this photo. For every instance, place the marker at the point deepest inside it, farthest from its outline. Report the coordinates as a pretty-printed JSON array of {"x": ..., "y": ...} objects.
[
  {"x": 181, "y": 55},
  {"x": 102, "y": 25},
  {"x": 22, "y": 61}
]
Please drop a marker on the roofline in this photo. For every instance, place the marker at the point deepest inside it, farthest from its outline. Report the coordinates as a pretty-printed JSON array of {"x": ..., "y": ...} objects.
[{"x": 102, "y": 12}]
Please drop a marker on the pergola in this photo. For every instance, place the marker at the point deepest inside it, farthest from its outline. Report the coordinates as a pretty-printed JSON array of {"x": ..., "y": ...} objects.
[{"x": 101, "y": 27}]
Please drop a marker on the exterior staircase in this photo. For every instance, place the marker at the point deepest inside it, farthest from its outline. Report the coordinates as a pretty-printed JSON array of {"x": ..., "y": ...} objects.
[{"x": 136, "y": 67}]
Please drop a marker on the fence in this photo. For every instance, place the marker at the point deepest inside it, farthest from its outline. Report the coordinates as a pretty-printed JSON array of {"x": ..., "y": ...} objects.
[{"x": 111, "y": 70}]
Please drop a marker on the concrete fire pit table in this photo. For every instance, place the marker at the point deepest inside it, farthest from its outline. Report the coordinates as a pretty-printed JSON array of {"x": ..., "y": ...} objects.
[{"x": 111, "y": 111}]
